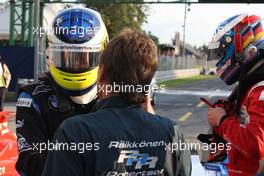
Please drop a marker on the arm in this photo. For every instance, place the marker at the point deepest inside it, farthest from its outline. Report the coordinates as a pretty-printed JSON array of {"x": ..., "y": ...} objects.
[
  {"x": 65, "y": 162},
  {"x": 261, "y": 167},
  {"x": 7, "y": 75},
  {"x": 30, "y": 130},
  {"x": 182, "y": 157},
  {"x": 241, "y": 136}
]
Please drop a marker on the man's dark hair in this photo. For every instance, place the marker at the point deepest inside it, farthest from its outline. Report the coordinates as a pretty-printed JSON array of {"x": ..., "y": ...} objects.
[{"x": 130, "y": 59}]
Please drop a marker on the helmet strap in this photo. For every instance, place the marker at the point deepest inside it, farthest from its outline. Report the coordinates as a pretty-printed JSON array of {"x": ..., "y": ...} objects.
[{"x": 255, "y": 67}]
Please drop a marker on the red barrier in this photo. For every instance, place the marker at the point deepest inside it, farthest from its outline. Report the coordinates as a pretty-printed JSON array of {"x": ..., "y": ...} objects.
[{"x": 8, "y": 148}]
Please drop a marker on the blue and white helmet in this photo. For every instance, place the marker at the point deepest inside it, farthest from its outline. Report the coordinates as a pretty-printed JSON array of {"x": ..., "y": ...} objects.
[{"x": 74, "y": 48}]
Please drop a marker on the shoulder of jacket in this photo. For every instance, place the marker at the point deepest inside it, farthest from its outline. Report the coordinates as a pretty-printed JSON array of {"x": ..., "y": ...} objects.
[
  {"x": 34, "y": 94},
  {"x": 36, "y": 89},
  {"x": 255, "y": 87},
  {"x": 26, "y": 101}
]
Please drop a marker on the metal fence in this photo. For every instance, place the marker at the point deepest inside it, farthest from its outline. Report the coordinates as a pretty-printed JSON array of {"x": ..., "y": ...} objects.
[{"x": 166, "y": 63}]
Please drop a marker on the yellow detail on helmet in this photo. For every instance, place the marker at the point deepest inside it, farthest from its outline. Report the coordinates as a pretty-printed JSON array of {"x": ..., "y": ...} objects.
[
  {"x": 77, "y": 81},
  {"x": 248, "y": 41},
  {"x": 104, "y": 41},
  {"x": 259, "y": 35}
]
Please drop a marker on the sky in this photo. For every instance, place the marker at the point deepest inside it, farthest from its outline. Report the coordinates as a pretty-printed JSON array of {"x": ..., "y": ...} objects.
[{"x": 202, "y": 20}]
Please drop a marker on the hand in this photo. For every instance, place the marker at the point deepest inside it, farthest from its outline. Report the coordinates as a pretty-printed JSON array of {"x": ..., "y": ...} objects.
[
  {"x": 147, "y": 105},
  {"x": 261, "y": 166},
  {"x": 215, "y": 115}
]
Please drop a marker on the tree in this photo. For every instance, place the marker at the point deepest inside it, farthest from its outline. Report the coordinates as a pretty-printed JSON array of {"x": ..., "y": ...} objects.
[
  {"x": 153, "y": 37},
  {"x": 118, "y": 16},
  {"x": 162, "y": 46}
]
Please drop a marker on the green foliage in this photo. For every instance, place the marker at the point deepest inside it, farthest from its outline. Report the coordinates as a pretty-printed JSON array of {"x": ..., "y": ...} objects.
[
  {"x": 182, "y": 81},
  {"x": 153, "y": 37},
  {"x": 162, "y": 46},
  {"x": 118, "y": 16}
]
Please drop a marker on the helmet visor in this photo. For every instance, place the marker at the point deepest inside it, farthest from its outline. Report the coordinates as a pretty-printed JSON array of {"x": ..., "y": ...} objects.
[
  {"x": 216, "y": 54},
  {"x": 75, "y": 62}
]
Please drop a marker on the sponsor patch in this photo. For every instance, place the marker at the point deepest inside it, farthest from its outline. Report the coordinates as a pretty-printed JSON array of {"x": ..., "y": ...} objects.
[
  {"x": 20, "y": 123},
  {"x": 133, "y": 156},
  {"x": 53, "y": 103},
  {"x": 23, "y": 145},
  {"x": 41, "y": 89},
  {"x": 24, "y": 102},
  {"x": 135, "y": 160},
  {"x": 261, "y": 97}
]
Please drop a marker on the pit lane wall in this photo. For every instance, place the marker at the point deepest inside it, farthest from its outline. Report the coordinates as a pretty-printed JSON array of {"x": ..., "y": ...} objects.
[{"x": 174, "y": 74}]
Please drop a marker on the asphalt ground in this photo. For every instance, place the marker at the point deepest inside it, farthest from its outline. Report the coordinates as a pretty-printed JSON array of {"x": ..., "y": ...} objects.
[{"x": 182, "y": 104}]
